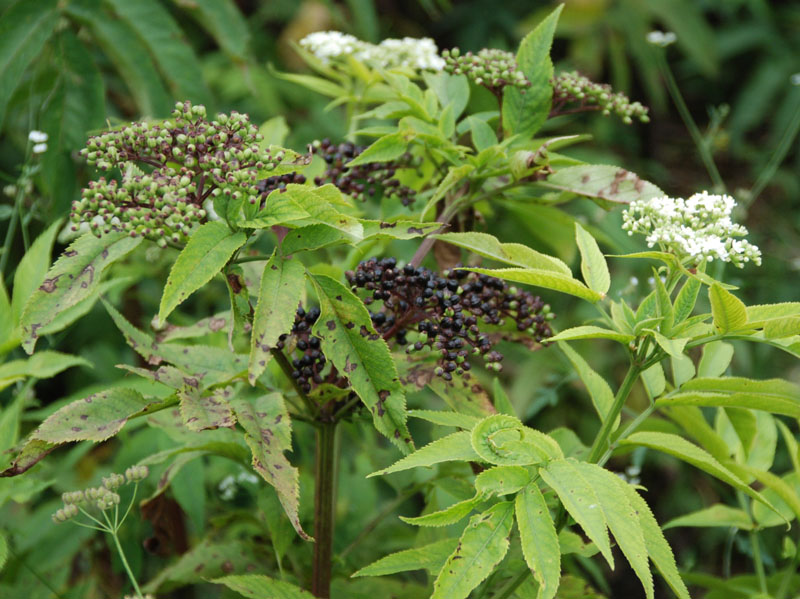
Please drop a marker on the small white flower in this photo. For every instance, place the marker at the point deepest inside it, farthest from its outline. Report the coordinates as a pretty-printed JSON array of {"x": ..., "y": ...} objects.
[
  {"x": 661, "y": 38},
  {"x": 795, "y": 79},
  {"x": 37, "y": 136},
  {"x": 699, "y": 228},
  {"x": 40, "y": 148},
  {"x": 634, "y": 281}
]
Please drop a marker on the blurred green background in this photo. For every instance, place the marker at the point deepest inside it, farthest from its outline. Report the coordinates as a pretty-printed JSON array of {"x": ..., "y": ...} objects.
[{"x": 72, "y": 67}]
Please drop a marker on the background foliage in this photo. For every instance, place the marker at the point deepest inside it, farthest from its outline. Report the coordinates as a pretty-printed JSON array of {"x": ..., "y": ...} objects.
[{"x": 69, "y": 68}]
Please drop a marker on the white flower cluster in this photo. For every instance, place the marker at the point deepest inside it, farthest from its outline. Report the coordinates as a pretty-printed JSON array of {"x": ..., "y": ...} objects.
[
  {"x": 420, "y": 54},
  {"x": 228, "y": 485},
  {"x": 661, "y": 38},
  {"x": 699, "y": 227}
]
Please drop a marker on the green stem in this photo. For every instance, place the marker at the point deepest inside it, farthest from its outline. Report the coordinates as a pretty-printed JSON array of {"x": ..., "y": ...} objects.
[
  {"x": 787, "y": 577},
  {"x": 126, "y": 565},
  {"x": 324, "y": 501},
  {"x": 686, "y": 116},
  {"x": 601, "y": 441},
  {"x": 776, "y": 158},
  {"x": 513, "y": 584},
  {"x": 259, "y": 258},
  {"x": 12, "y": 227},
  {"x": 629, "y": 430},
  {"x": 759, "y": 562}
]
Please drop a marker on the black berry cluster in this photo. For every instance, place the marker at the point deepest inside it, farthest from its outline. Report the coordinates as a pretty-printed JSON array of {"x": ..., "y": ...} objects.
[
  {"x": 493, "y": 69},
  {"x": 309, "y": 361},
  {"x": 188, "y": 160},
  {"x": 279, "y": 182},
  {"x": 365, "y": 180},
  {"x": 573, "y": 88},
  {"x": 447, "y": 314}
]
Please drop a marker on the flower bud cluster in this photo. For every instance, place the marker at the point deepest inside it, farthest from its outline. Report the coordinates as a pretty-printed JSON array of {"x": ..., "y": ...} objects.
[
  {"x": 189, "y": 160},
  {"x": 365, "y": 180},
  {"x": 699, "y": 228},
  {"x": 569, "y": 88},
  {"x": 447, "y": 314},
  {"x": 491, "y": 68},
  {"x": 332, "y": 47},
  {"x": 102, "y": 497}
]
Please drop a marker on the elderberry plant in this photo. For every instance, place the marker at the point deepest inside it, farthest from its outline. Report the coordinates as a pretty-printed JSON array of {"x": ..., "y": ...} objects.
[{"x": 317, "y": 348}]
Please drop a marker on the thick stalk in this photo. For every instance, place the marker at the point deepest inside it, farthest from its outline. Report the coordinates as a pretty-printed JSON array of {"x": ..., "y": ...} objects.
[
  {"x": 324, "y": 500},
  {"x": 601, "y": 441}
]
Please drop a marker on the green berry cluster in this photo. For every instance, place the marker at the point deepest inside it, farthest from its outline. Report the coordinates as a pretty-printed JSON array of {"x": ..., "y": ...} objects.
[
  {"x": 189, "y": 162},
  {"x": 493, "y": 69},
  {"x": 570, "y": 88},
  {"x": 103, "y": 497}
]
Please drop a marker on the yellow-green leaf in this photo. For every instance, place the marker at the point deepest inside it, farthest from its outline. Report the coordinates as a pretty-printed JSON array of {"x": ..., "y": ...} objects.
[
  {"x": 543, "y": 278},
  {"x": 540, "y": 546},
  {"x": 728, "y": 311},
  {"x": 593, "y": 263},
  {"x": 206, "y": 253}
]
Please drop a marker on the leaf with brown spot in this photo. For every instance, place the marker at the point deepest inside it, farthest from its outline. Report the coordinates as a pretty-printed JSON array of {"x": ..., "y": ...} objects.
[
  {"x": 203, "y": 410},
  {"x": 209, "y": 365},
  {"x": 96, "y": 417},
  {"x": 71, "y": 279},
  {"x": 606, "y": 185},
  {"x": 365, "y": 360},
  {"x": 30, "y": 455},
  {"x": 240, "y": 302},
  {"x": 281, "y": 289},
  {"x": 268, "y": 433},
  {"x": 209, "y": 559},
  {"x": 201, "y": 328}
]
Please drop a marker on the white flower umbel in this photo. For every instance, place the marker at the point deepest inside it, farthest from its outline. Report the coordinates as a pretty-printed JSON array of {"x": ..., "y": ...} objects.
[
  {"x": 419, "y": 54},
  {"x": 699, "y": 228}
]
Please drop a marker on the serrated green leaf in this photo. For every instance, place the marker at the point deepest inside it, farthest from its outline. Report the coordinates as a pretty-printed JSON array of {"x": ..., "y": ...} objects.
[
  {"x": 524, "y": 112},
  {"x": 773, "y": 395},
  {"x": 715, "y": 515},
  {"x": 657, "y": 546},
  {"x": 780, "y": 328},
  {"x": 282, "y": 286},
  {"x": 463, "y": 394},
  {"x": 715, "y": 360},
  {"x": 167, "y": 44},
  {"x": 502, "y": 480},
  {"x": 384, "y": 149},
  {"x": 606, "y": 185},
  {"x": 206, "y": 253},
  {"x": 591, "y": 332},
  {"x": 96, "y": 417},
  {"x": 728, "y": 311},
  {"x": 543, "y": 278},
  {"x": 783, "y": 491},
  {"x": 482, "y": 546},
  {"x": 205, "y": 365},
  {"x": 224, "y": 21},
  {"x": 429, "y": 557},
  {"x": 580, "y": 500},
  {"x": 32, "y": 269},
  {"x": 764, "y": 312},
  {"x": 540, "y": 542},
  {"x": 654, "y": 380},
  {"x": 621, "y": 518},
  {"x": 454, "y": 447},
  {"x": 503, "y": 440},
  {"x": 268, "y": 433},
  {"x": 686, "y": 299},
  {"x": 673, "y": 347},
  {"x": 449, "y": 515},
  {"x": 593, "y": 264},
  {"x": 792, "y": 447},
  {"x": 599, "y": 390},
  {"x": 24, "y": 30},
  {"x": 515, "y": 254},
  {"x": 482, "y": 134},
  {"x": 206, "y": 410},
  {"x": 3, "y": 550},
  {"x": 349, "y": 341},
  {"x": 685, "y": 451},
  {"x": 42, "y": 365},
  {"x": 444, "y": 418},
  {"x": 71, "y": 279}
]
